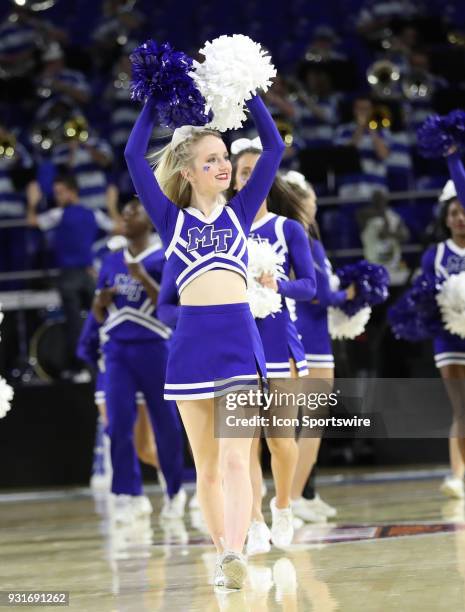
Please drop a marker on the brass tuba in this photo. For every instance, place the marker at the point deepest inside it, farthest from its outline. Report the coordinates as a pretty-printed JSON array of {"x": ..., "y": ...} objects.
[
  {"x": 417, "y": 85},
  {"x": 383, "y": 77}
]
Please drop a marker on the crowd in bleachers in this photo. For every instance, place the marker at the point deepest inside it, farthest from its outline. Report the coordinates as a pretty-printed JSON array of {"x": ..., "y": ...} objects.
[{"x": 356, "y": 78}]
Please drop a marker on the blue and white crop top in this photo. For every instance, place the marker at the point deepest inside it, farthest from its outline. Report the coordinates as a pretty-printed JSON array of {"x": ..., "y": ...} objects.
[{"x": 198, "y": 243}]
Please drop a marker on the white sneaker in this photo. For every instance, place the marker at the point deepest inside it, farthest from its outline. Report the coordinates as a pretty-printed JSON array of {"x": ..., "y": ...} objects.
[
  {"x": 100, "y": 482},
  {"x": 302, "y": 509},
  {"x": 297, "y": 522},
  {"x": 174, "y": 508},
  {"x": 258, "y": 539},
  {"x": 123, "y": 513},
  {"x": 194, "y": 503},
  {"x": 453, "y": 487},
  {"x": 218, "y": 579},
  {"x": 282, "y": 528},
  {"x": 234, "y": 568},
  {"x": 141, "y": 506},
  {"x": 321, "y": 507}
]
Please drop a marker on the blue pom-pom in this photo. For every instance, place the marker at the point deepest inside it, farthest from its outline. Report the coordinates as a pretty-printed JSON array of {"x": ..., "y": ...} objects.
[
  {"x": 456, "y": 121},
  {"x": 435, "y": 137},
  {"x": 371, "y": 285},
  {"x": 162, "y": 74},
  {"x": 416, "y": 316}
]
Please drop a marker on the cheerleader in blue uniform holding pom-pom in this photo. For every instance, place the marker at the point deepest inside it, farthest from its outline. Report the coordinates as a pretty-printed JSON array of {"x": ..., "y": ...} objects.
[
  {"x": 312, "y": 325},
  {"x": 444, "y": 136},
  {"x": 284, "y": 352},
  {"x": 216, "y": 346}
]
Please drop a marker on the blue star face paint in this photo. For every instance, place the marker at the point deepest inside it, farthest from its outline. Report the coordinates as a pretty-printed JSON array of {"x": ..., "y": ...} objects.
[{"x": 206, "y": 168}]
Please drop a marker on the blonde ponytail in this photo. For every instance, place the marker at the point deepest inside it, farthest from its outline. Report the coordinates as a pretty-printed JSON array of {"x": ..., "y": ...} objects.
[{"x": 169, "y": 163}]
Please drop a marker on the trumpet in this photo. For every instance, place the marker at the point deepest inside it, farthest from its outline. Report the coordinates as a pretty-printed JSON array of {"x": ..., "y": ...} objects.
[
  {"x": 76, "y": 128},
  {"x": 417, "y": 85},
  {"x": 286, "y": 131},
  {"x": 380, "y": 118},
  {"x": 384, "y": 77},
  {"x": 7, "y": 146}
]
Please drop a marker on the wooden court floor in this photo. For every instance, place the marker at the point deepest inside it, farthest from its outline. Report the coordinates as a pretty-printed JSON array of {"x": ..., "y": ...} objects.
[{"x": 397, "y": 544}]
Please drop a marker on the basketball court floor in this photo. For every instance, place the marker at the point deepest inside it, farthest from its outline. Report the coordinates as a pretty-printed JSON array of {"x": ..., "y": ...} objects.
[{"x": 397, "y": 544}]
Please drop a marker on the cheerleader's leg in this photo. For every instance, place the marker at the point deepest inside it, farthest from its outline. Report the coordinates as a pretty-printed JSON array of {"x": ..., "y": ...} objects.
[
  {"x": 197, "y": 417},
  {"x": 120, "y": 394},
  {"x": 256, "y": 476},
  {"x": 308, "y": 447},
  {"x": 144, "y": 439}
]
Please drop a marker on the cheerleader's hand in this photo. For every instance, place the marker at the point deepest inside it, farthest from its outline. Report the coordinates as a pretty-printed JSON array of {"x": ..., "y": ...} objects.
[
  {"x": 137, "y": 270},
  {"x": 269, "y": 281},
  {"x": 105, "y": 297},
  {"x": 452, "y": 150},
  {"x": 350, "y": 291}
]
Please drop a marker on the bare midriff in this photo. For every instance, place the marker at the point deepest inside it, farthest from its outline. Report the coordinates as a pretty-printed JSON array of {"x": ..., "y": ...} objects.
[{"x": 215, "y": 287}]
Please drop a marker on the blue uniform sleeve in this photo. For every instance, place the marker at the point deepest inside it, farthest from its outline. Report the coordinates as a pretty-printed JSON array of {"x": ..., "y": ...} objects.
[
  {"x": 167, "y": 305},
  {"x": 457, "y": 174},
  {"x": 88, "y": 347},
  {"x": 160, "y": 209},
  {"x": 301, "y": 260},
  {"x": 427, "y": 263},
  {"x": 324, "y": 294},
  {"x": 247, "y": 201}
]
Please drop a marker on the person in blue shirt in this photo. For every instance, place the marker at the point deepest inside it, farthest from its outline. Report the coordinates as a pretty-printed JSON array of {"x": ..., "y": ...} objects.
[{"x": 75, "y": 229}]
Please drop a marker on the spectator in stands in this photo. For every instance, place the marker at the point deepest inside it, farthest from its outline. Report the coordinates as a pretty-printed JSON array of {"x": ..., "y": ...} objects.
[
  {"x": 383, "y": 232},
  {"x": 75, "y": 229},
  {"x": 317, "y": 113},
  {"x": 90, "y": 161},
  {"x": 400, "y": 162},
  {"x": 322, "y": 47},
  {"x": 18, "y": 185},
  {"x": 120, "y": 24},
  {"x": 376, "y": 16},
  {"x": 420, "y": 86},
  {"x": 56, "y": 81},
  {"x": 373, "y": 147}
]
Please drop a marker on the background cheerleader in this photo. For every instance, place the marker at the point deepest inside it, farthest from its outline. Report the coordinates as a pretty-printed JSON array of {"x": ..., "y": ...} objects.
[
  {"x": 89, "y": 350},
  {"x": 312, "y": 325},
  {"x": 135, "y": 360},
  {"x": 439, "y": 262},
  {"x": 284, "y": 353}
]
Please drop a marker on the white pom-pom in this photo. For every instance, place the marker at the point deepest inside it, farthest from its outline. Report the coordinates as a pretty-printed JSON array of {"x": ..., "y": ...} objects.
[
  {"x": 451, "y": 301},
  {"x": 6, "y": 396},
  {"x": 235, "y": 67},
  {"x": 343, "y": 327},
  {"x": 262, "y": 260},
  {"x": 262, "y": 300}
]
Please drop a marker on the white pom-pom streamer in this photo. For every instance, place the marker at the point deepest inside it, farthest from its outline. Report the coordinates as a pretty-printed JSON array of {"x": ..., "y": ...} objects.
[
  {"x": 6, "y": 396},
  {"x": 262, "y": 260},
  {"x": 6, "y": 392},
  {"x": 451, "y": 301},
  {"x": 343, "y": 327},
  {"x": 235, "y": 67}
]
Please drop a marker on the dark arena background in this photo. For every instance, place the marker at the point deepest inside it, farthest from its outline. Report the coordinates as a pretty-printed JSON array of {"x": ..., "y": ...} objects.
[{"x": 397, "y": 541}]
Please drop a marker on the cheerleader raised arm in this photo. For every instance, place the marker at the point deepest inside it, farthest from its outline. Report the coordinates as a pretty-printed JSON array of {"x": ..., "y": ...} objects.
[{"x": 206, "y": 249}]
